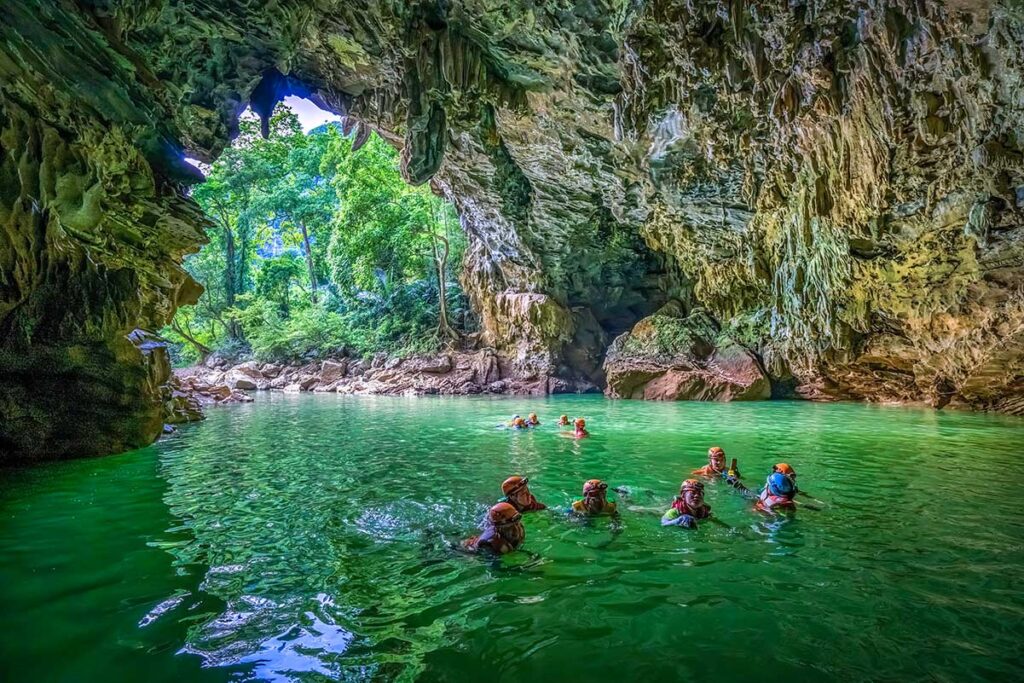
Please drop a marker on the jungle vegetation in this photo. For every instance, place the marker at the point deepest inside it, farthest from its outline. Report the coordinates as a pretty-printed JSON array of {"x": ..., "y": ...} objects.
[{"x": 318, "y": 249}]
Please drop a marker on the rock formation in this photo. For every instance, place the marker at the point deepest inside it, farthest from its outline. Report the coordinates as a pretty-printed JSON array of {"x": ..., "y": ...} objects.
[
  {"x": 669, "y": 357},
  {"x": 838, "y": 185}
]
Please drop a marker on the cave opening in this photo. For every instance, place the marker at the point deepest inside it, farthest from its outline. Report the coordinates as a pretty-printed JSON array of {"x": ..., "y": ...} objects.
[{"x": 318, "y": 247}]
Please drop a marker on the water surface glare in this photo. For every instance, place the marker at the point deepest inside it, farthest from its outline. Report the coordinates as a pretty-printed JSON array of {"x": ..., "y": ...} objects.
[{"x": 307, "y": 538}]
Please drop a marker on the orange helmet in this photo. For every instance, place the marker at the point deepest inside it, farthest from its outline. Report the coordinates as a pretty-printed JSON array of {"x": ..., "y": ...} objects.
[
  {"x": 513, "y": 484},
  {"x": 592, "y": 485},
  {"x": 783, "y": 468},
  {"x": 502, "y": 514},
  {"x": 691, "y": 485},
  {"x": 580, "y": 423}
]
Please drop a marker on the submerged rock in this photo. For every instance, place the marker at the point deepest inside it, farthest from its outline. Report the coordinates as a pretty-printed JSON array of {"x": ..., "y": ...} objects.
[{"x": 669, "y": 358}]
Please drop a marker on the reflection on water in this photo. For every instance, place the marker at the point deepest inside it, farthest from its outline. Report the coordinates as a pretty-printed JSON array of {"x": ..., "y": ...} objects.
[{"x": 310, "y": 538}]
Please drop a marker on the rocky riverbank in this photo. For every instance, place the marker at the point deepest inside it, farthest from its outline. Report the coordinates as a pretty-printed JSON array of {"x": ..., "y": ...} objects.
[{"x": 458, "y": 373}]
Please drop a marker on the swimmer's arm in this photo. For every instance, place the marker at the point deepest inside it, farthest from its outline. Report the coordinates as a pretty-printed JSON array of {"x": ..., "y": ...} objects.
[{"x": 673, "y": 518}]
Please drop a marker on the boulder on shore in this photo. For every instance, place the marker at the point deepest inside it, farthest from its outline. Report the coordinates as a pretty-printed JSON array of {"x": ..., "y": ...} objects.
[
  {"x": 670, "y": 358},
  {"x": 333, "y": 370}
]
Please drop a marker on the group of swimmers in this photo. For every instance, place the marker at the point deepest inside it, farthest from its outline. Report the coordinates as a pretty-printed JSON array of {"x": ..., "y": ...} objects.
[
  {"x": 504, "y": 532},
  {"x": 579, "y": 425}
]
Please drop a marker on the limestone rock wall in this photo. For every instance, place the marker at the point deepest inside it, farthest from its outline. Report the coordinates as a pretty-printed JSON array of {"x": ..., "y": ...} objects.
[
  {"x": 840, "y": 185},
  {"x": 866, "y": 162}
]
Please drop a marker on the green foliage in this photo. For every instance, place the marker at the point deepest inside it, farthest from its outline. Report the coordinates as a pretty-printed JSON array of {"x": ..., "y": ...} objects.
[
  {"x": 383, "y": 227},
  {"x": 318, "y": 248},
  {"x": 275, "y": 279},
  {"x": 310, "y": 332}
]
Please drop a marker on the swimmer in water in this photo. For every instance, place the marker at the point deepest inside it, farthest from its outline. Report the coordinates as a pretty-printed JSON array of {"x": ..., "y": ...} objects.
[
  {"x": 595, "y": 500},
  {"x": 580, "y": 428},
  {"x": 784, "y": 468},
  {"x": 503, "y": 532},
  {"x": 519, "y": 423},
  {"x": 518, "y": 495},
  {"x": 688, "y": 507},
  {"x": 532, "y": 420},
  {"x": 777, "y": 494},
  {"x": 563, "y": 421},
  {"x": 716, "y": 464}
]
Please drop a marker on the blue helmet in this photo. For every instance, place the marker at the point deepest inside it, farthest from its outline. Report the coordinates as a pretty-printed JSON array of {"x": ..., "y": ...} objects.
[{"x": 780, "y": 485}]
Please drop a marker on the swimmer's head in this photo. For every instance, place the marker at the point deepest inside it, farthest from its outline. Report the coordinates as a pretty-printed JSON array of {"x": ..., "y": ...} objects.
[
  {"x": 692, "y": 493},
  {"x": 503, "y": 514},
  {"x": 518, "y": 422},
  {"x": 779, "y": 484},
  {"x": 716, "y": 458},
  {"x": 784, "y": 468},
  {"x": 580, "y": 423},
  {"x": 507, "y": 522},
  {"x": 533, "y": 417},
  {"x": 564, "y": 419},
  {"x": 514, "y": 484},
  {"x": 593, "y": 488}
]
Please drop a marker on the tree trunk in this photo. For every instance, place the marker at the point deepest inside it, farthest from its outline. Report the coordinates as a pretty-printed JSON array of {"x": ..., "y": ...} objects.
[
  {"x": 309, "y": 262},
  {"x": 230, "y": 276},
  {"x": 444, "y": 330},
  {"x": 202, "y": 348},
  {"x": 229, "y": 267}
]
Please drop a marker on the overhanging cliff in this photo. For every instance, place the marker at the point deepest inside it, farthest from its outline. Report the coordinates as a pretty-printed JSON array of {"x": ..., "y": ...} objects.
[{"x": 839, "y": 186}]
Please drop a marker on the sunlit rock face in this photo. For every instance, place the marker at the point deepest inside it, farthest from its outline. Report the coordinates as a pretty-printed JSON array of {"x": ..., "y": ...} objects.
[{"x": 840, "y": 186}]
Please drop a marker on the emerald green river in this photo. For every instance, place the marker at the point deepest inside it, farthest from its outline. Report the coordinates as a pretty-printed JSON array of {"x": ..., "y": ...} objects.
[{"x": 308, "y": 538}]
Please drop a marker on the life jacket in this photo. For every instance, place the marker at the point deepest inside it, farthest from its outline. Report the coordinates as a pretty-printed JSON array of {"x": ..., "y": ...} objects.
[
  {"x": 608, "y": 509},
  {"x": 768, "y": 501},
  {"x": 708, "y": 471},
  {"x": 703, "y": 512}
]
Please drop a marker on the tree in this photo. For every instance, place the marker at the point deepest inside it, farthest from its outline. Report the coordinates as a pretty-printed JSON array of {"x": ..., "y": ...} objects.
[
  {"x": 385, "y": 226},
  {"x": 232, "y": 196}
]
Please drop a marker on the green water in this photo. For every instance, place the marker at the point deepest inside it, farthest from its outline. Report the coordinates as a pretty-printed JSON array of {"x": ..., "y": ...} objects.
[{"x": 305, "y": 538}]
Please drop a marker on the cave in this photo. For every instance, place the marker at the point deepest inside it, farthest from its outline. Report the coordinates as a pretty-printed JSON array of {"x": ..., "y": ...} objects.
[{"x": 830, "y": 195}]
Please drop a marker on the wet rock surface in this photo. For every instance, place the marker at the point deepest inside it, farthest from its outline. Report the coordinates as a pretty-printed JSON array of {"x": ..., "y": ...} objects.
[{"x": 840, "y": 185}]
